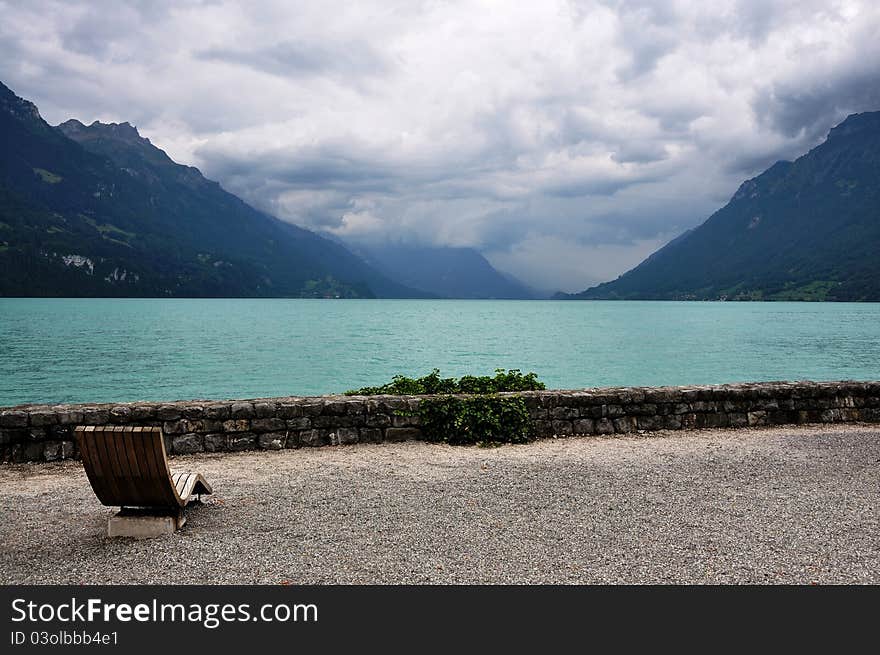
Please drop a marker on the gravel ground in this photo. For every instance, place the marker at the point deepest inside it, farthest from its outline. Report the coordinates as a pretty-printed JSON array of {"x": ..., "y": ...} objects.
[{"x": 785, "y": 505}]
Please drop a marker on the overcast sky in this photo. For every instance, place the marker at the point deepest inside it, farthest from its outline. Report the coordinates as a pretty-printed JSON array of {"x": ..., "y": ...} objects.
[{"x": 565, "y": 140}]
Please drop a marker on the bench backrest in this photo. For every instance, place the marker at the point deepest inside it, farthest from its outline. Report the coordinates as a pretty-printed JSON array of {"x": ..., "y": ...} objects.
[{"x": 127, "y": 466}]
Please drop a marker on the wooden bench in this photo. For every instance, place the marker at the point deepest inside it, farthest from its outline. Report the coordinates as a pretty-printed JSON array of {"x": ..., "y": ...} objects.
[{"x": 127, "y": 467}]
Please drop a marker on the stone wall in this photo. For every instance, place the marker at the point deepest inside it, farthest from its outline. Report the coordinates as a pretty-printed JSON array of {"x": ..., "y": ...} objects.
[{"x": 45, "y": 432}]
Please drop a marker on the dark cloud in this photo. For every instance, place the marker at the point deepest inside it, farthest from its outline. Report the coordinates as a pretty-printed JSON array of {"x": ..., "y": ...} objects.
[
  {"x": 294, "y": 59},
  {"x": 648, "y": 33},
  {"x": 316, "y": 170},
  {"x": 639, "y": 152},
  {"x": 809, "y": 107}
]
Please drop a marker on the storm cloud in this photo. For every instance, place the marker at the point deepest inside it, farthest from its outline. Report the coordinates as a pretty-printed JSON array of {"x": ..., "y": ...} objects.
[{"x": 565, "y": 140}]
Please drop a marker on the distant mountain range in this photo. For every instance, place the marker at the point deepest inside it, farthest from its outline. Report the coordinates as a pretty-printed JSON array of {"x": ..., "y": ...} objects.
[
  {"x": 98, "y": 210},
  {"x": 445, "y": 271},
  {"x": 802, "y": 230}
]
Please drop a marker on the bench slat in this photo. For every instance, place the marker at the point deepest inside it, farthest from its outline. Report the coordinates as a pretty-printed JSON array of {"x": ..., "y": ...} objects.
[{"x": 128, "y": 467}]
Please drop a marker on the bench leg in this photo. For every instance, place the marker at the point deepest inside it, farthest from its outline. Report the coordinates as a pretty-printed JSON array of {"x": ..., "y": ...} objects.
[{"x": 143, "y": 524}]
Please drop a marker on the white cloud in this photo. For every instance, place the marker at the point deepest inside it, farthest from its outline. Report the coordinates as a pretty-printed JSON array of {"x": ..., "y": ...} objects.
[
  {"x": 564, "y": 139},
  {"x": 544, "y": 260}
]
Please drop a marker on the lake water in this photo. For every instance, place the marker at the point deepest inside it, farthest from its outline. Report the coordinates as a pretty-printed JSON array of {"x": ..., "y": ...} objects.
[{"x": 94, "y": 350}]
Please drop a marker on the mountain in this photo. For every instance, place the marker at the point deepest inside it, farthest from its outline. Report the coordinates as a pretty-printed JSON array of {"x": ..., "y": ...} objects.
[
  {"x": 444, "y": 271},
  {"x": 802, "y": 230},
  {"x": 99, "y": 211}
]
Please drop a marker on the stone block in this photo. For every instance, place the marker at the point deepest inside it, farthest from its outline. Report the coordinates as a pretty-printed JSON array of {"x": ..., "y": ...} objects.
[
  {"x": 315, "y": 437},
  {"x": 604, "y": 426},
  {"x": 272, "y": 440},
  {"x": 265, "y": 409},
  {"x": 242, "y": 410},
  {"x": 60, "y": 432},
  {"x": 13, "y": 419},
  {"x": 243, "y": 441},
  {"x": 41, "y": 418},
  {"x": 564, "y": 413},
  {"x": 757, "y": 418},
  {"x": 334, "y": 422},
  {"x": 176, "y": 427},
  {"x": 288, "y": 410},
  {"x": 390, "y": 405},
  {"x": 613, "y": 411},
  {"x": 193, "y": 412},
  {"x": 215, "y": 443},
  {"x": 37, "y": 434},
  {"x": 314, "y": 408},
  {"x": 371, "y": 435},
  {"x": 650, "y": 423},
  {"x": 765, "y": 405},
  {"x": 140, "y": 525},
  {"x": 186, "y": 444},
  {"x": 335, "y": 408},
  {"x": 120, "y": 414},
  {"x": 738, "y": 419},
  {"x": 355, "y": 407},
  {"x": 141, "y": 413},
  {"x": 27, "y": 452},
  {"x": 377, "y": 420},
  {"x": 268, "y": 424},
  {"x": 625, "y": 424},
  {"x": 402, "y": 434},
  {"x": 665, "y": 395},
  {"x": 10, "y": 436},
  {"x": 596, "y": 411},
  {"x": 168, "y": 413},
  {"x": 717, "y": 420},
  {"x": 347, "y": 435},
  {"x": 543, "y": 428},
  {"x": 644, "y": 409},
  {"x": 781, "y": 417},
  {"x": 583, "y": 426},
  {"x": 236, "y": 425},
  {"x": 53, "y": 451},
  {"x": 70, "y": 418},
  {"x": 405, "y": 420},
  {"x": 830, "y": 416},
  {"x": 562, "y": 428},
  {"x": 217, "y": 412}
]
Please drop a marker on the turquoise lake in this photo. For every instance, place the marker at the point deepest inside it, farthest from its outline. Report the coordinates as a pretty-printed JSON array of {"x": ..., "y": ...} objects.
[{"x": 97, "y": 350}]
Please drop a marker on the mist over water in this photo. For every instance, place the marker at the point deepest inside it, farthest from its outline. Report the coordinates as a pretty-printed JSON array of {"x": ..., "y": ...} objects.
[{"x": 104, "y": 350}]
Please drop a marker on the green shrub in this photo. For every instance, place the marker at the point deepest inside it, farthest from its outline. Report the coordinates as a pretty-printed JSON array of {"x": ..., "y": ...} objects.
[
  {"x": 484, "y": 420},
  {"x": 503, "y": 380}
]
